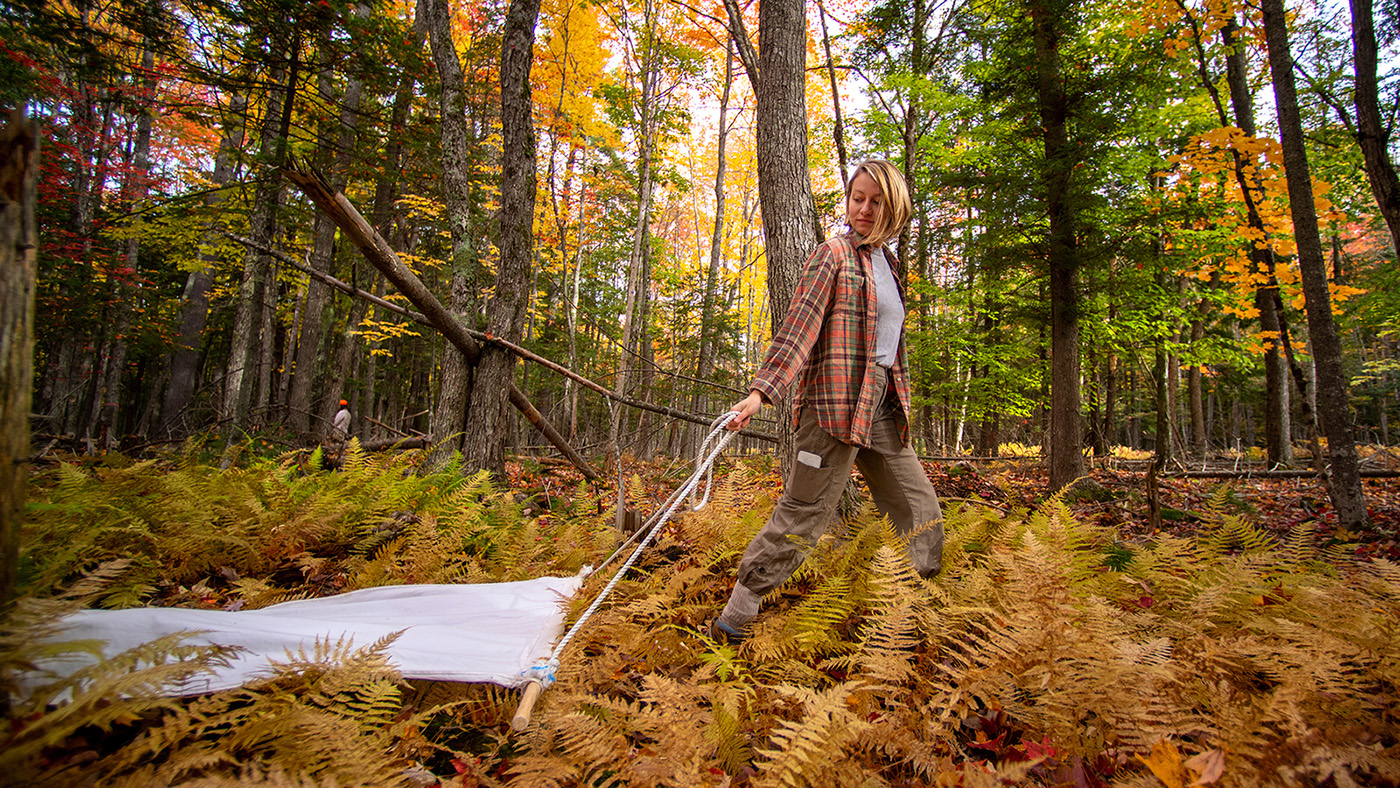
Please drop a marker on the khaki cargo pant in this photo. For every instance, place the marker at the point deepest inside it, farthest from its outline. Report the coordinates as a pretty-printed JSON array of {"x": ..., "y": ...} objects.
[{"x": 807, "y": 507}]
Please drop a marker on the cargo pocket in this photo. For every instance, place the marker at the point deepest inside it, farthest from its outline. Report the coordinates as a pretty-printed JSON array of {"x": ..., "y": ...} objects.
[{"x": 807, "y": 483}]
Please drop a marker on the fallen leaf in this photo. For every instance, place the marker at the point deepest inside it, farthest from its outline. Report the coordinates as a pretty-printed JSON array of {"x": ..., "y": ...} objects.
[
  {"x": 1165, "y": 762},
  {"x": 1208, "y": 766}
]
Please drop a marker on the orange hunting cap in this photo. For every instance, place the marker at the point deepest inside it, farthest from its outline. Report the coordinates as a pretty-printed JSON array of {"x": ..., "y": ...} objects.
[{"x": 343, "y": 403}]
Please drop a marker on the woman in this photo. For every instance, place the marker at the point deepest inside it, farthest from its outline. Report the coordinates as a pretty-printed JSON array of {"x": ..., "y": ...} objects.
[{"x": 842, "y": 340}]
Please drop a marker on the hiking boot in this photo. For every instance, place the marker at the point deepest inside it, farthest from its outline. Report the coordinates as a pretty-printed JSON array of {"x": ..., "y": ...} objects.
[{"x": 724, "y": 634}]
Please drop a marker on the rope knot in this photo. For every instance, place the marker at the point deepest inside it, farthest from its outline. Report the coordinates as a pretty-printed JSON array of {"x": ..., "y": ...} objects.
[{"x": 544, "y": 674}]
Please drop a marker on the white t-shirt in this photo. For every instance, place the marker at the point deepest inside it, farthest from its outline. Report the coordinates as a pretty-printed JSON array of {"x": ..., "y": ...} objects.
[{"x": 891, "y": 309}]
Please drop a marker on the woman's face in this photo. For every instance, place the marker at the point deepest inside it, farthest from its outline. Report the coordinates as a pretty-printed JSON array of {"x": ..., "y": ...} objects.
[{"x": 864, "y": 203}]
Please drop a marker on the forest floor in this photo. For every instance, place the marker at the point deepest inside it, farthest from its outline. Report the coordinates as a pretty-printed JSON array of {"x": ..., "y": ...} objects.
[
  {"x": 1062, "y": 645},
  {"x": 1276, "y": 505}
]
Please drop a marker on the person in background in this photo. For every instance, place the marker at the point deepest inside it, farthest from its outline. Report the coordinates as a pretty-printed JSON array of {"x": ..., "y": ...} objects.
[
  {"x": 333, "y": 449},
  {"x": 842, "y": 342},
  {"x": 340, "y": 426}
]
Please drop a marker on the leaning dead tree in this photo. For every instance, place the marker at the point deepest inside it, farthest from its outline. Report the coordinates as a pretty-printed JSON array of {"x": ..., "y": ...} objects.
[{"x": 433, "y": 314}]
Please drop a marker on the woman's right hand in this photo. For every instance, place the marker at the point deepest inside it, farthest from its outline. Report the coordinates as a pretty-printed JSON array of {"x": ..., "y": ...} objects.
[{"x": 746, "y": 408}]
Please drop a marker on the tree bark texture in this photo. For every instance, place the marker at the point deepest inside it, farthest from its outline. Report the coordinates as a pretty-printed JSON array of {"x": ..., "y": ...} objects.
[
  {"x": 791, "y": 229},
  {"x": 1066, "y": 438},
  {"x": 1278, "y": 443},
  {"x": 337, "y": 139},
  {"x": 241, "y": 375},
  {"x": 1371, "y": 133},
  {"x": 449, "y": 411},
  {"x": 487, "y": 425},
  {"x": 19, "y": 169},
  {"x": 1332, "y": 403}
]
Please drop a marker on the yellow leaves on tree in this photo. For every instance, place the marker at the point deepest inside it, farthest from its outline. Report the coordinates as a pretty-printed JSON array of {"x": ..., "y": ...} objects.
[
  {"x": 1203, "y": 179},
  {"x": 571, "y": 56}
]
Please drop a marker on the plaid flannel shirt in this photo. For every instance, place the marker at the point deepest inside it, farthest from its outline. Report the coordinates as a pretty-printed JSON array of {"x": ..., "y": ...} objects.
[{"x": 828, "y": 338}]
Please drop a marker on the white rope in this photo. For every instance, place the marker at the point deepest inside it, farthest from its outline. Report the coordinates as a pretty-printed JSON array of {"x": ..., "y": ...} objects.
[{"x": 704, "y": 467}]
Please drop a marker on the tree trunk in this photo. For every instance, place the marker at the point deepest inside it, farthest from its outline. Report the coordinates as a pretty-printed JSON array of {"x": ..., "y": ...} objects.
[
  {"x": 1066, "y": 438},
  {"x": 1278, "y": 443},
  {"x": 1333, "y": 405},
  {"x": 127, "y": 288},
  {"x": 838, "y": 131},
  {"x": 704, "y": 362},
  {"x": 335, "y": 154},
  {"x": 1371, "y": 133},
  {"x": 194, "y": 304},
  {"x": 791, "y": 227},
  {"x": 1194, "y": 394},
  {"x": 487, "y": 424},
  {"x": 241, "y": 375},
  {"x": 635, "y": 329},
  {"x": 19, "y": 239},
  {"x": 454, "y": 383}
]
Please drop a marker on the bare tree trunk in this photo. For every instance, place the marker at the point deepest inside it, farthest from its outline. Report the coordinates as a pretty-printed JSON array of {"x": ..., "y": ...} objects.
[
  {"x": 1371, "y": 133},
  {"x": 127, "y": 287},
  {"x": 241, "y": 376},
  {"x": 791, "y": 227},
  {"x": 335, "y": 154},
  {"x": 1333, "y": 405},
  {"x": 1278, "y": 443},
  {"x": 450, "y": 410},
  {"x": 838, "y": 132},
  {"x": 704, "y": 361},
  {"x": 487, "y": 425},
  {"x": 19, "y": 239},
  {"x": 1195, "y": 397},
  {"x": 1066, "y": 438}
]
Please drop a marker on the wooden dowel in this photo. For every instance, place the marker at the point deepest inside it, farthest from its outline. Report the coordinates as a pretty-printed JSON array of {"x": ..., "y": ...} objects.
[{"x": 528, "y": 696}]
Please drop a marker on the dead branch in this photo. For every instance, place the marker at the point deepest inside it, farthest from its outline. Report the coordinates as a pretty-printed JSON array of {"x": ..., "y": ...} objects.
[{"x": 376, "y": 250}]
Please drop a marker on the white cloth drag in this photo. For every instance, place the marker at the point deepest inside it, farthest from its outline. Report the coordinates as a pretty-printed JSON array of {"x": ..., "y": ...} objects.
[{"x": 485, "y": 632}]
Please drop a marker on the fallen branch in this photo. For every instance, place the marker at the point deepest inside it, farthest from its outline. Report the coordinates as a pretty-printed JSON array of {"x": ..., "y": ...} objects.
[{"x": 376, "y": 250}]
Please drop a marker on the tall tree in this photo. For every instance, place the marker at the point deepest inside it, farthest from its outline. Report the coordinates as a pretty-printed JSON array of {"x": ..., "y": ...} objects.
[
  {"x": 1371, "y": 131},
  {"x": 1060, "y": 158},
  {"x": 242, "y": 377},
  {"x": 450, "y": 406},
  {"x": 1333, "y": 404},
  {"x": 486, "y": 420},
  {"x": 336, "y": 134},
  {"x": 194, "y": 303},
  {"x": 791, "y": 228},
  {"x": 19, "y": 170}
]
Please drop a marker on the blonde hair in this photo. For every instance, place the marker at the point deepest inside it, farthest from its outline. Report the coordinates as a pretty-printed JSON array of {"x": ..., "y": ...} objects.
[{"x": 892, "y": 186}]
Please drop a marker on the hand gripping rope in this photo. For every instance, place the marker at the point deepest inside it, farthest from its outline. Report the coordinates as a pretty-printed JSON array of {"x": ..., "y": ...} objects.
[{"x": 540, "y": 677}]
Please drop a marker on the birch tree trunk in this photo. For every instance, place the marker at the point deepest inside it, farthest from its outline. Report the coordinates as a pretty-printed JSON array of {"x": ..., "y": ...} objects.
[{"x": 1332, "y": 403}]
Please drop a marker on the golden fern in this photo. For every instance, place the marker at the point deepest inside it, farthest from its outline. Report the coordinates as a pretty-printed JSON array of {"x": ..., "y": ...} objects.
[{"x": 805, "y": 751}]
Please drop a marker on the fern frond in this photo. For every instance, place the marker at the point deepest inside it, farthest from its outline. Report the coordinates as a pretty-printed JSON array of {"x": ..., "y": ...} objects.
[{"x": 807, "y": 748}]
